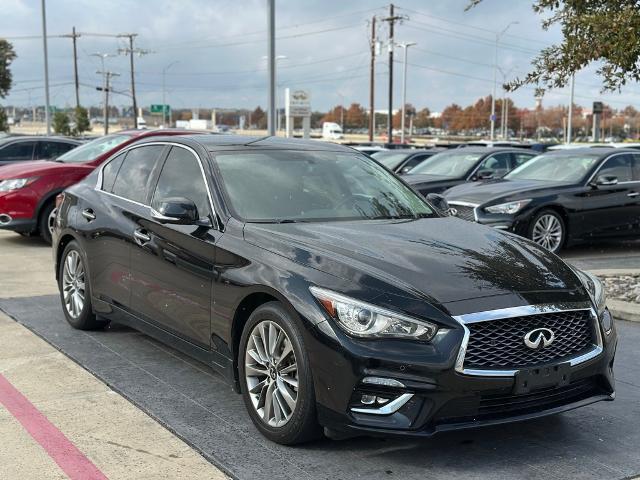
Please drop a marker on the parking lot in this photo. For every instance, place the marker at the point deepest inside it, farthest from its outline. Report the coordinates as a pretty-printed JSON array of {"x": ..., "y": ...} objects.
[{"x": 196, "y": 406}]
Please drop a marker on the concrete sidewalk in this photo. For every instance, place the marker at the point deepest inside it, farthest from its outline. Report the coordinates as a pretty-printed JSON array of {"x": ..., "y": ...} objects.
[{"x": 56, "y": 419}]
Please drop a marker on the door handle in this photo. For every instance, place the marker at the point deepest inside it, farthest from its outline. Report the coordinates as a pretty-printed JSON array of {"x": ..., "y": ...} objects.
[
  {"x": 88, "y": 214},
  {"x": 141, "y": 237},
  {"x": 633, "y": 194}
]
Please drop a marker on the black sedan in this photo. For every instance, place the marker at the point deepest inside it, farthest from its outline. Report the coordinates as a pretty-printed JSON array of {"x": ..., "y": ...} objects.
[
  {"x": 327, "y": 291},
  {"x": 24, "y": 148},
  {"x": 403, "y": 160},
  {"x": 467, "y": 164},
  {"x": 560, "y": 198}
]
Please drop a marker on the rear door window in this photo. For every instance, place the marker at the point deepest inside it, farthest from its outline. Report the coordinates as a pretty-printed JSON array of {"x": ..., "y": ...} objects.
[
  {"x": 497, "y": 164},
  {"x": 135, "y": 174},
  {"x": 51, "y": 150},
  {"x": 18, "y": 151},
  {"x": 520, "y": 158}
]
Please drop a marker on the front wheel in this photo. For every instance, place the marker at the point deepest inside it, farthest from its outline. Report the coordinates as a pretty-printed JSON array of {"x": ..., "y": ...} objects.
[
  {"x": 47, "y": 219},
  {"x": 75, "y": 290},
  {"x": 275, "y": 377},
  {"x": 548, "y": 230}
]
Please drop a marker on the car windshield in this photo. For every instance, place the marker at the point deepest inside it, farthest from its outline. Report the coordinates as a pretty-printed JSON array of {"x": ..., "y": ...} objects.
[
  {"x": 93, "y": 149},
  {"x": 447, "y": 164},
  {"x": 555, "y": 168},
  {"x": 390, "y": 159},
  {"x": 298, "y": 186}
]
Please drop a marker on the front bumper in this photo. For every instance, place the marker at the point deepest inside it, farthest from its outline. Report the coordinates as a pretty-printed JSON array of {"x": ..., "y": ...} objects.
[
  {"x": 440, "y": 398},
  {"x": 17, "y": 210}
]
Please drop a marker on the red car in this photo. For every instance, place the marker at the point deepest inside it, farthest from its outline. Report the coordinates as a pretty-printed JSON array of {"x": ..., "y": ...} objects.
[{"x": 28, "y": 189}]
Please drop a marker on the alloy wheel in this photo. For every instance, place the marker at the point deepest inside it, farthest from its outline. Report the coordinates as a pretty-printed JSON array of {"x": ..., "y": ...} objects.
[
  {"x": 51, "y": 220},
  {"x": 271, "y": 373},
  {"x": 73, "y": 284},
  {"x": 547, "y": 232}
]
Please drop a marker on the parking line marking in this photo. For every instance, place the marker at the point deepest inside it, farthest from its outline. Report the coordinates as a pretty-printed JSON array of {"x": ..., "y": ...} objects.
[{"x": 61, "y": 450}]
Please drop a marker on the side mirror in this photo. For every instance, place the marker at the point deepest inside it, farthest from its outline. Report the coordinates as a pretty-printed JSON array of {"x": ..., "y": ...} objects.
[
  {"x": 605, "y": 180},
  {"x": 175, "y": 210},
  {"x": 439, "y": 203},
  {"x": 405, "y": 170},
  {"x": 485, "y": 174}
]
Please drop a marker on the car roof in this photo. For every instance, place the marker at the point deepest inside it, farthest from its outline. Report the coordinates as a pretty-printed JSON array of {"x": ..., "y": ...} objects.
[
  {"x": 230, "y": 142},
  {"x": 600, "y": 151},
  {"x": 31, "y": 138},
  {"x": 487, "y": 150},
  {"x": 411, "y": 150}
]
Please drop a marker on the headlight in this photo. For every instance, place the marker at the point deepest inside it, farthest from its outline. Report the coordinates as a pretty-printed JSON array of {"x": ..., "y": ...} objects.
[
  {"x": 364, "y": 320},
  {"x": 508, "y": 208},
  {"x": 14, "y": 184},
  {"x": 598, "y": 297}
]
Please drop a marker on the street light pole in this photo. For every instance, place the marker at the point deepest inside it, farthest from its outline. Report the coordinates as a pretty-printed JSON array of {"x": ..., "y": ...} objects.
[
  {"x": 405, "y": 46},
  {"x": 164, "y": 93},
  {"x": 570, "y": 122},
  {"x": 271, "y": 25},
  {"x": 47, "y": 115},
  {"x": 495, "y": 74}
]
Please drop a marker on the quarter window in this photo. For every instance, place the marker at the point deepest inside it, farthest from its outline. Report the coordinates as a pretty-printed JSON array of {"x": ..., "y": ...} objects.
[
  {"x": 181, "y": 177},
  {"x": 133, "y": 178},
  {"x": 498, "y": 164},
  {"x": 618, "y": 166},
  {"x": 110, "y": 171}
]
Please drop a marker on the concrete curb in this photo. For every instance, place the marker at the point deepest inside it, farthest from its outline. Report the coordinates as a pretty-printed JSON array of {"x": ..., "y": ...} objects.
[{"x": 621, "y": 310}]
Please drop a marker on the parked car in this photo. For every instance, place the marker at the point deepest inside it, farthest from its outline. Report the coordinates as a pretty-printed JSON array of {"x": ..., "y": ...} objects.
[
  {"x": 28, "y": 188},
  {"x": 461, "y": 165},
  {"x": 25, "y": 148},
  {"x": 402, "y": 161},
  {"x": 327, "y": 291},
  {"x": 560, "y": 198}
]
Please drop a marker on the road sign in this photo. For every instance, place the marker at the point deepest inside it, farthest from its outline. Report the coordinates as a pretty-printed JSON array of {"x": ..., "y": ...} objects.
[
  {"x": 598, "y": 107},
  {"x": 160, "y": 109},
  {"x": 297, "y": 103},
  {"x": 492, "y": 118}
]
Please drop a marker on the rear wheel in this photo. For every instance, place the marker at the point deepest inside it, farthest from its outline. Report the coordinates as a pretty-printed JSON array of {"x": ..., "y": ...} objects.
[
  {"x": 45, "y": 224},
  {"x": 275, "y": 375},
  {"x": 548, "y": 230},
  {"x": 75, "y": 290}
]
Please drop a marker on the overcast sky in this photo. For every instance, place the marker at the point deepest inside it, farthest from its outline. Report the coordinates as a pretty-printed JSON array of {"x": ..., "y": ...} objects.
[{"x": 219, "y": 47}]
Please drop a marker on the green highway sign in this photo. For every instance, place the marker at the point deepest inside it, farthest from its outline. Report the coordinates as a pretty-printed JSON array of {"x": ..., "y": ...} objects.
[{"x": 159, "y": 108}]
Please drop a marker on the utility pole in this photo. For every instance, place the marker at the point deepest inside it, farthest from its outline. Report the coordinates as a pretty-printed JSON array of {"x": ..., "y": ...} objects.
[
  {"x": 130, "y": 50},
  {"x": 106, "y": 75},
  {"x": 392, "y": 19},
  {"x": 372, "y": 74},
  {"x": 164, "y": 94},
  {"x": 47, "y": 115},
  {"x": 405, "y": 46},
  {"x": 271, "y": 60},
  {"x": 495, "y": 74},
  {"x": 73, "y": 36}
]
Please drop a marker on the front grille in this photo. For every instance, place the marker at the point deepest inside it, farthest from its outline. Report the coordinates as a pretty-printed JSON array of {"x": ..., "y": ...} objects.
[
  {"x": 499, "y": 344},
  {"x": 464, "y": 212}
]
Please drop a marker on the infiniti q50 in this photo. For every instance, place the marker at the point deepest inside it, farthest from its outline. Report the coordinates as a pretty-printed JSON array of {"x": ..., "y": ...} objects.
[{"x": 327, "y": 291}]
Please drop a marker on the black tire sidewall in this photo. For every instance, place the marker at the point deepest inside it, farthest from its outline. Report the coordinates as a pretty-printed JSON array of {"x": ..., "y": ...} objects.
[
  {"x": 303, "y": 424},
  {"x": 43, "y": 225},
  {"x": 541, "y": 213},
  {"x": 86, "y": 320}
]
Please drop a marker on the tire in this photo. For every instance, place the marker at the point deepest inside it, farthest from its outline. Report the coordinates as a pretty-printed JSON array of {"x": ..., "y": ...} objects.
[
  {"x": 73, "y": 277},
  {"x": 44, "y": 222},
  {"x": 548, "y": 229},
  {"x": 301, "y": 425}
]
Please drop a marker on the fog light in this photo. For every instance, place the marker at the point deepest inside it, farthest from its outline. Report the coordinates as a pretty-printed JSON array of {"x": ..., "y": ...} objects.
[
  {"x": 368, "y": 399},
  {"x": 607, "y": 321},
  {"x": 381, "y": 400},
  {"x": 385, "y": 382}
]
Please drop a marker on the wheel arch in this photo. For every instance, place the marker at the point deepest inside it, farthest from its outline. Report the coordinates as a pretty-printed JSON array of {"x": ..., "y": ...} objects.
[
  {"x": 45, "y": 200},
  {"x": 64, "y": 240},
  {"x": 557, "y": 208}
]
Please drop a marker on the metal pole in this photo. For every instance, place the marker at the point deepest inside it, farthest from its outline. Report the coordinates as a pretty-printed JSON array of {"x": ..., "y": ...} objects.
[
  {"x": 105, "y": 112},
  {"x": 372, "y": 68},
  {"x": 271, "y": 54},
  {"x": 506, "y": 117},
  {"x": 164, "y": 98},
  {"x": 75, "y": 67},
  {"x": 493, "y": 95},
  {"x": 570, "y": 119},
  {"x": 47, "y": 116},
  {"x": 405, "y": 46}
]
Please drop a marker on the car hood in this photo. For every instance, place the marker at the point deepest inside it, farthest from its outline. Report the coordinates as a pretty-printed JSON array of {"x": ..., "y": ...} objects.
[
  {"x": 38, "y": 168},
  {"x": 483, "y": 192},
  {"x": 441, "y": 259}
]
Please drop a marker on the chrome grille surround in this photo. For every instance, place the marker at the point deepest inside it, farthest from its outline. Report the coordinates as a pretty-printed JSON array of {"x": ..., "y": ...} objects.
[{"x": 524, "y": 311}]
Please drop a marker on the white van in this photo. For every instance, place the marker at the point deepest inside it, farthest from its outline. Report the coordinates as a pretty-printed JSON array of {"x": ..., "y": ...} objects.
[{"x": 332, "y": 131}]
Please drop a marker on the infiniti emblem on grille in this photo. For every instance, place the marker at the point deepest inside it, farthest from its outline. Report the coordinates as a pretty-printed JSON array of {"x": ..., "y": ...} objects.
[{"x": 539, "y": 338}]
